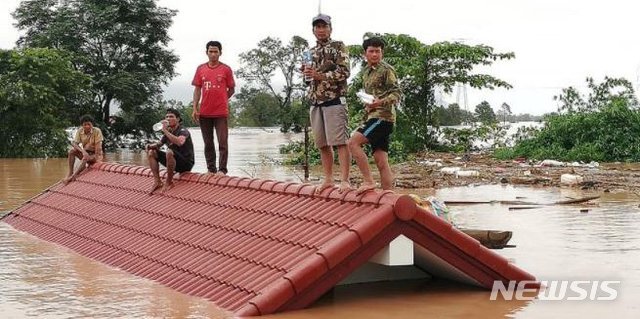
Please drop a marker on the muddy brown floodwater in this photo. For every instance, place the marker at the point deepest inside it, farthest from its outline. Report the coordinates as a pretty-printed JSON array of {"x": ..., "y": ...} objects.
[{"x": 42, "y": 280}]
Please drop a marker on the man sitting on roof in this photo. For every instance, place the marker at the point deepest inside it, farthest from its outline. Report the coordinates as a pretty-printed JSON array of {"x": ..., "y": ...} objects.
[
  {"x": 86, "y": 146},
  {"x": 179, "y": 155}
]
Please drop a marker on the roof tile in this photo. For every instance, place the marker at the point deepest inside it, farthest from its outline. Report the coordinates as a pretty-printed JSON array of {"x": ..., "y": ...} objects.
[{"x": 251, "y": 246}]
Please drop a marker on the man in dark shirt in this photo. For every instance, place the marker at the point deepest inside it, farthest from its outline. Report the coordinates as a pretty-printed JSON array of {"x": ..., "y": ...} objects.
[{"x": 179, "y": 155}]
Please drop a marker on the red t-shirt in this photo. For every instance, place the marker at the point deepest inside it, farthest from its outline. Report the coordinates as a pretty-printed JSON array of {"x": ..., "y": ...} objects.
[{"x": 214, "y": 82}]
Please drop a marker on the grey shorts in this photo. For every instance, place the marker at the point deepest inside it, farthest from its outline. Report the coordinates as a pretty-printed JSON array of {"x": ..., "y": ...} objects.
[{"x": 329, "y": 125}]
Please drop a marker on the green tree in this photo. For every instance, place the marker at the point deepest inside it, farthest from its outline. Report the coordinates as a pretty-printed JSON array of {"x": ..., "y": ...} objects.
[
  {"x": 603, "y": 125},
  {"x": 451, "y": 115},
  {"x": 611, "y": 133},
  {"x": 36, "y": 88},
  {"x": 422, "y": 68},
  {"x": 256, "y": 108},
  {"x": 271, "y": 58},
  {"x": 121, "y": 44},
  {"x": 600, "y": 95},
  {"x": 484, "y": 113},
  {"x": 504, "y": 112}
]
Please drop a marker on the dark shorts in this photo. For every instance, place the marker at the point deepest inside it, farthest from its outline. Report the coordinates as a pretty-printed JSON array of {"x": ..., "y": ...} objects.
[
  {"x": 377, "y": 132},
  {"x": 182, "y": 163}
]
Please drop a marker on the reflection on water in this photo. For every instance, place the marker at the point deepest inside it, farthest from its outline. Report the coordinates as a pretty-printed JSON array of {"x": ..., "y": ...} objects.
[{"x": 40, "y": 279}]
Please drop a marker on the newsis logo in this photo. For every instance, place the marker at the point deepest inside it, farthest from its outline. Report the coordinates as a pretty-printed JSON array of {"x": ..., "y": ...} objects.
[{"x": 603, "y": 290}]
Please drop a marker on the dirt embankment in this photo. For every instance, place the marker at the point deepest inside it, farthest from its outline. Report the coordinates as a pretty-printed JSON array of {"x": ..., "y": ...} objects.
[{"x": 480, "y": 169}]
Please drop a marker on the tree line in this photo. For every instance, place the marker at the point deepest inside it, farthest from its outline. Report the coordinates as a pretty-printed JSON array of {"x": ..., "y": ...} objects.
[{"x": 91, "y": 56}]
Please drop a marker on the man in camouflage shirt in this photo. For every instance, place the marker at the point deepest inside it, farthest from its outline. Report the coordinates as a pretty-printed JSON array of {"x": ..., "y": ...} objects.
[
  {"x": 327, "y": 91},
  {"x": 380, "y": 80}
]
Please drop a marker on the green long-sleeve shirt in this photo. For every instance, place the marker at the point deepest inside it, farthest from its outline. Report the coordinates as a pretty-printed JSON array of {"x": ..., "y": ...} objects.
[{"x": 381, "y": 82}]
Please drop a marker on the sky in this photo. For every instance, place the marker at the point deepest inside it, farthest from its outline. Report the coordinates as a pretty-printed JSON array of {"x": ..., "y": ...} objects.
[{"x": 557, "y": 43}]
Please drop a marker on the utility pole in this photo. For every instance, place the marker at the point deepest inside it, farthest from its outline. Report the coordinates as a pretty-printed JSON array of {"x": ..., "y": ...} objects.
[
  {"x": 461, "y": 99},
  {"x": 461, "y": 90}
]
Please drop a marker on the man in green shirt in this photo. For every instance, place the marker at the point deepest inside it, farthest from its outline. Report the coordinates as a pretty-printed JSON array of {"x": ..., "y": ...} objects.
[{"x": 379, "y": 80}]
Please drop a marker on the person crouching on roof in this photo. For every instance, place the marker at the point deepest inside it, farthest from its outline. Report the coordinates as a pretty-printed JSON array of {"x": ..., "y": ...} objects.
[
  {"x": 179, "y": 155},
  {"x": 86, "y": 146}
]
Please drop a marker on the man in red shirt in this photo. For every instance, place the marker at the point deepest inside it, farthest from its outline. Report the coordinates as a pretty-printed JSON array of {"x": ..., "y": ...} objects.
[{"x": 214, "y": 85}]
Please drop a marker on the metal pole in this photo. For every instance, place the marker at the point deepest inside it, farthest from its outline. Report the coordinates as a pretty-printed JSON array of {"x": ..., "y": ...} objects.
[{"x": 306, "y": 152}]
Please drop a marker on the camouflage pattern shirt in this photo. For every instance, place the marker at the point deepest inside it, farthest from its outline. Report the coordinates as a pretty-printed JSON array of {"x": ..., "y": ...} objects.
[
  {"x": 331, "y": 59},
  {"x": 381, "y": 82}
]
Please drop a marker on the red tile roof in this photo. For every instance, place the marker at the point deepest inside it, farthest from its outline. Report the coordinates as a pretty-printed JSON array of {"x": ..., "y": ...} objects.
[{"x": 251, "y": 246}]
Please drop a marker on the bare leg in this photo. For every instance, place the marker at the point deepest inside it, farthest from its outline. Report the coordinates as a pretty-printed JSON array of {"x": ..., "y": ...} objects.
[
  {"x": 83, "y": 164},
  {"x": 86, "y": 161},
  {"x": 326, "y": 157},
  {"x": 171, "y": 166},
  {"x": 71, "y": 158},
  {"x": 152, "y": 155},
  {"x": 344, "y": 159},
  {"x": 355, "y": 145},
  {"x": 386, "y": 176}
]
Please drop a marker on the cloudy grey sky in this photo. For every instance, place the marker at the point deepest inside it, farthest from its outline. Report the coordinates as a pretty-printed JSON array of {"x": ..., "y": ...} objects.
[{"x": 558, "y": 43}]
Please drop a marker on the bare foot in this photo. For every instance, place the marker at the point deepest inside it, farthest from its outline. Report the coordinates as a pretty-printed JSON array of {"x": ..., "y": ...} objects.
[
  {"x": 344, "y": 187},
  {"x": 167, "y": 186},
  {"x": 323, "y": 186},
  {"x": 219, "y": 173},
  {"x": 156, "y": 185},
  {"x": 68, "y": 180},
  {"x": 365, "y": 188}
]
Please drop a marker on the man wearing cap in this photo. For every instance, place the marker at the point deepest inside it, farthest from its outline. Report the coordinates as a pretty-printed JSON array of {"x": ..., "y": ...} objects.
[{"x": 327, "y": 91}]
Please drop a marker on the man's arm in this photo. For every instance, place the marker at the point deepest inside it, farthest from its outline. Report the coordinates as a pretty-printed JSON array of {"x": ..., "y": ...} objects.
[
  {"x": 391, "y": 96},
  {"x": 178, "y": 140},
  {"x": 393, "y": 93},
  {"x": 153, "y": 146},
  {"x": 231, "y": 83},
  {"x": 76, "y": 146},
  {"x": 75, "y": 143}
]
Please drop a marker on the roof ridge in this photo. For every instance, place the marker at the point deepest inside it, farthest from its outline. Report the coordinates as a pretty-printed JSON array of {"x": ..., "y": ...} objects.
[{"x": 299, "y": 189}]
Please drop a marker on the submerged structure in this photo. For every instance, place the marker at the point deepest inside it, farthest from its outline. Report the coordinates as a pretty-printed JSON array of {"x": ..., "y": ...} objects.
[{"x": 252, "y": 246}]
